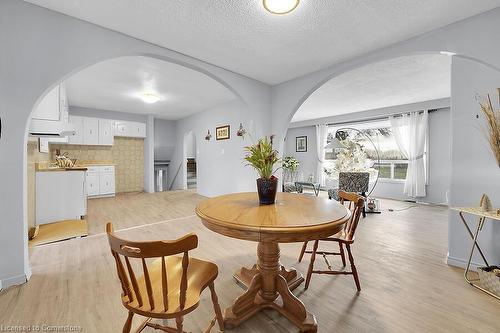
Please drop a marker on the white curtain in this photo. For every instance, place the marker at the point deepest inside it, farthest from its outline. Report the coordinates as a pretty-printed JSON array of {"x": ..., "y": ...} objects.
[
  {"x": 410, "y": 132},
  {"x": 321, "y": 135}
]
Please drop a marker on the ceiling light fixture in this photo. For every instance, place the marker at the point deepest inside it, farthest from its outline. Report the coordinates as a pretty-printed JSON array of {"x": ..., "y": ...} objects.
[
  {"x": 280, "y": 7},
  {"x": 149, "y": 98}
]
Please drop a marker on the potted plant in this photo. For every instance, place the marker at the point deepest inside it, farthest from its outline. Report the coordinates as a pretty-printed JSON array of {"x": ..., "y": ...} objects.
[
  {"x": 263, "y": 157},
  {"x": 290, "y": 164}
]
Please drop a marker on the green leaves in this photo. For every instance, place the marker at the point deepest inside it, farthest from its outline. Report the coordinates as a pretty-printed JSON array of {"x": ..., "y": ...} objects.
[{"x": 262, "y": 157}]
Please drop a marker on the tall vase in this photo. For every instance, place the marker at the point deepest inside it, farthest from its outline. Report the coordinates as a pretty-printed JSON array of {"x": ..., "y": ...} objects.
[{"x": 267, "y": 189}]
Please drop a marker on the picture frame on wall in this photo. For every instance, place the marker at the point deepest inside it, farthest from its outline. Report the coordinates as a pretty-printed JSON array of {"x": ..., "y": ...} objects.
[
  {"x": 222, "y": 132},
  {"x": 301, "y": 144}
]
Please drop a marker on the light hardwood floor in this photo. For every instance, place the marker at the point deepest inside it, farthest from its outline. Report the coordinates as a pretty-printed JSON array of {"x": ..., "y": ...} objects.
[{"x": 406, "y": 284}]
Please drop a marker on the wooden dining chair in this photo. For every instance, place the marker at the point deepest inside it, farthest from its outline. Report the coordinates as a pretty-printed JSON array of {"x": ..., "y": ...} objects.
[
  {"x": 345, "y": 238},
  {"x": 169, "y": 286}
]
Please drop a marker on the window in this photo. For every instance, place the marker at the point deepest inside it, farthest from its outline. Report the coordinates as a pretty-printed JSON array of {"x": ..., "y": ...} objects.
[{"x": 393, "y": 164}]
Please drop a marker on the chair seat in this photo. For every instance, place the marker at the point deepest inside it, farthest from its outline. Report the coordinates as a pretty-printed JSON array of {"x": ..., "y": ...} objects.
[
  {"x": 199, "y": 274},
  {"x": 340, "y": 236}
]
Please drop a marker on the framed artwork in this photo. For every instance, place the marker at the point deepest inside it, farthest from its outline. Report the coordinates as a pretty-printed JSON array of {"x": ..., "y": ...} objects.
[
  {"x": 301, "y": 144},
  {"x": 222, "y": 132}
]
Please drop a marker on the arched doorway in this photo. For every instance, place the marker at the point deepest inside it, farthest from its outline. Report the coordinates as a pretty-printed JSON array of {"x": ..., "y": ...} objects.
[{"x": 168, "y": 143}]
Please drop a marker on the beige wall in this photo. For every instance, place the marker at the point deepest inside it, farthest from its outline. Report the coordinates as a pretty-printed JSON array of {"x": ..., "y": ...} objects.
[{"x": 127, "y": 154}]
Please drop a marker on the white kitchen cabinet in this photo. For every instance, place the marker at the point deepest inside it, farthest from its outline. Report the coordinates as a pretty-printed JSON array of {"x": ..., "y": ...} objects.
[
  {"x": 48, "y": 108},
  {"x": 90, "y": 131},
  {"x": 138, "y": 130},
  {"x": 77, "y": 123},
  {"x": 60, "y": 195},
  {"x": 107, "y": 183},
  {"x": 131, "y": 129},
  {"x": 106, "y": 133},
  {"x": 92, "y": 184},
  {"x": 100, "y": 181}
]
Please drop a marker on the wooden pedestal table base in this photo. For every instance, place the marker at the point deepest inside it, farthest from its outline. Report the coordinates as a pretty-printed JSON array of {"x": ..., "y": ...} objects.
[
  {"x": 245, "y": 275},
  {"x": 267, "y": 284},
  {"x": 294, "y": 218}
]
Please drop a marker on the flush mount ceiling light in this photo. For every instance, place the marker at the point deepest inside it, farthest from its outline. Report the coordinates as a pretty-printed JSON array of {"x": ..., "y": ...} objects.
[
  {"x": 280, "y": 7},
  {"x": 148, "y": 97}
]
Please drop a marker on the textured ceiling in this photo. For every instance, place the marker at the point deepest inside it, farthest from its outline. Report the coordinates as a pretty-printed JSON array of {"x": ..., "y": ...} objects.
[
  {"x": 393, "y": 82},
  {"x": 114, "y": 85},
  {"x": 241, "y": 36}
]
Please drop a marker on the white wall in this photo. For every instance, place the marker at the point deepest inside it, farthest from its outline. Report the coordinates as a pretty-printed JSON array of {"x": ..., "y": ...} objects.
[
  {"x": 475, "y": 170},
  {"x": 439, "y": 153},
  {"x": 165, "y": 133},
  {"x": 308, "y": 160},
  {"x": 106, "y": 114},
  {"x": 220, "y": 165},
  {"x": 29, "y": 71},
  {"x": 190, "y": 145}
]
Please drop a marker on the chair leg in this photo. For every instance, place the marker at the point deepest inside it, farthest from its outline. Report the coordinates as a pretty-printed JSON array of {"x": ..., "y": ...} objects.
[
  {"x": 179, "y": 321},
  {"x": 215, "y": 301},
  {"x": 311, "y": 264},
  {"x": 353, "y": 267},
  {"x": 128, "y": 323},
  {"x": 342, "y": 254},
  {"x": 304, "y": 247}
]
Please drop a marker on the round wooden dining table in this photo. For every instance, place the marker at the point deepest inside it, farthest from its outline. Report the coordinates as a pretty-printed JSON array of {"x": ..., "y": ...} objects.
[{"x": 293, "y": 218}]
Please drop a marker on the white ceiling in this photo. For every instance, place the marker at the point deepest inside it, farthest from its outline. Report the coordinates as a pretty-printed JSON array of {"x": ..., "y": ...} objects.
[
  {"x": 241, "y": 36},
  {"x": 114, "y": 85},
  {"x": 393, "y": 82}
]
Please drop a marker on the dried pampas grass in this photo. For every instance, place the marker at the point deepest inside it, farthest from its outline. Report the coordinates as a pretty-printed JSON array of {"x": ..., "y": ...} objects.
[{"x": 492, "y": 126}]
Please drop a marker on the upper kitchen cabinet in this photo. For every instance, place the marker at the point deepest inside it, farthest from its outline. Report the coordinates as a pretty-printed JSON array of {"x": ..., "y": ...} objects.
[
  {"x": 90, "y": 131},
  {"x": 50, "y": 117},
  {"x": 106, "y": 132},
  {"x": 77, "y": 123},
  {"x": 130, "y": 129}
]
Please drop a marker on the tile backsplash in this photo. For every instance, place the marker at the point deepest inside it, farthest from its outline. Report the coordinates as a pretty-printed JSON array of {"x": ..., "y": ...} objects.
[{"x": 127, "y": 154}]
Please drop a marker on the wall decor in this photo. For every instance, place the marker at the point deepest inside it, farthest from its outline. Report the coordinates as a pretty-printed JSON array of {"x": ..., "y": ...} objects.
[
  {"x": 208, "y": 136},
  {"x": 301, "y": 144},
  {"x": 222, "y": 132},
  {"x": 241, "y": 131}
]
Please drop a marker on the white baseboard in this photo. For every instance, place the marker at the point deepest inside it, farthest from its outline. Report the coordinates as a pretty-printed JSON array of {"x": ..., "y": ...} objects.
[
  {"x": 13, "y": 281},
  {"x": 459, "y": 262}
]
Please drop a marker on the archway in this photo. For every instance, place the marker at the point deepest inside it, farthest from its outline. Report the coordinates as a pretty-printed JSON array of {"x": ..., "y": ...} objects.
[{"x": 68, "y": 77}]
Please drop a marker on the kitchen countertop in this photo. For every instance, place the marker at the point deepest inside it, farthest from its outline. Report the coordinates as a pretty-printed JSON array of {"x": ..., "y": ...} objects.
[
  {"x": 79, "y": 166},
  {"x": 51, "y": 169}
]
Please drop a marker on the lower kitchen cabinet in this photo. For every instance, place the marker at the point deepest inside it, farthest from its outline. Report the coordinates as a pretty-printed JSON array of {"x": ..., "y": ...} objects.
[{"x": 100, "y": 181}]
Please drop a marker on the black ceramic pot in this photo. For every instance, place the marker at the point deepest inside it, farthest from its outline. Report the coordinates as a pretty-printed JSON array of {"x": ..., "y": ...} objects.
[{"x": 267, "y": 190}]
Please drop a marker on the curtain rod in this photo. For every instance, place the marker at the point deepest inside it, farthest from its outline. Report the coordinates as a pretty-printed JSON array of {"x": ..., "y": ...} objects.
[{"x": 369, "y": 119}]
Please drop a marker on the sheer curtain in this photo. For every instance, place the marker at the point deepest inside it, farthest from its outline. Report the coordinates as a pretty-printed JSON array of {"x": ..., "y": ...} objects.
[
  {"x": 321, "y": 135},
  {"x": 410, "y": 132}
]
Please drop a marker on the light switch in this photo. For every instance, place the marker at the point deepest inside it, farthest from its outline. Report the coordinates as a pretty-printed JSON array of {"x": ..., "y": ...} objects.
[{"x": 222, "y": 151}]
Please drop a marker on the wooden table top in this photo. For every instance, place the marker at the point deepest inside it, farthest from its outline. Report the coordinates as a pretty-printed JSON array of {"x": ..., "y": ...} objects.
[{"x": 293, "y": 218}]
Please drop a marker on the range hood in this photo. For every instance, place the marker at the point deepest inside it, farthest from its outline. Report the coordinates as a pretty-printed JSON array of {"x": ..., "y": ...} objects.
[{"x": 51, "y": 129}]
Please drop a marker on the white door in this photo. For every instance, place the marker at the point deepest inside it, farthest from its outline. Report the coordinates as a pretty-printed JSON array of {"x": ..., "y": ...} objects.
[
  {"x": 90, "y": 131},
  {"x": 48, "y": 109},
  {"x": 106, "y": 134},
  {"x": 107, "y": 183},
  {"x": 92, "y": 184},
  {"x": 77, "y": 138}
]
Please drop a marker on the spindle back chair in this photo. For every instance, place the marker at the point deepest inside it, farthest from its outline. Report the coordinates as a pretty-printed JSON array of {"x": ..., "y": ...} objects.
[
  {"x": 169, "y": 286},
  {"x": 355, "y": 203}
]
